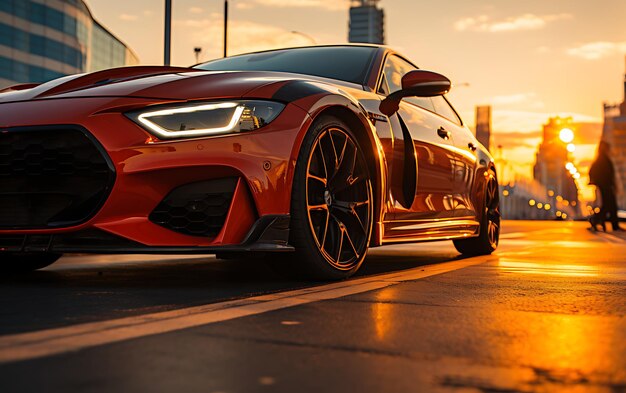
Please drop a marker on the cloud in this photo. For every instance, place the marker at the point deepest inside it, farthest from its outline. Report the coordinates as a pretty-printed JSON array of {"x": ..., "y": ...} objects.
[
  {"x": 196, "y": 10},
  {"x": 128, "y": 17},
  {"x": 470, "y": 23},
  {"x": 509, "y": 120},
  {"x": 517, "y": 139},
  {"x": 506, "y": 120},
  {"x": 543, "y": 50},
  {"x": 333, "y": 5},
  {"x": 597, "y": 50},
  {"x": 586, "y": 134},
  {"x": 519, "y": 135},
  {"x": 484, "y": 23},
  {"x": 528, "y": 101},
  {"x": 512, "y": 99},
  {"x": 206, "y": 32},
  {"x": 244, "y": 6}
]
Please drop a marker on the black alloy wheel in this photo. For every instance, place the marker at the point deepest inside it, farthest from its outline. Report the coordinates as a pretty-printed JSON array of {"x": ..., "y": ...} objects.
[
  {"x": 489, "y": 233},
  {"x": 492, "y": 211},
  {"x": 332, "y": 204}
]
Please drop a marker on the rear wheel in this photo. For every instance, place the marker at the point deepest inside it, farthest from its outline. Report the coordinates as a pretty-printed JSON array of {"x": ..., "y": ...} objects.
[
  {"x": 332, "y": 204},
  {"x": 487, "y": 240},
  {"x": 26, "y": 262}
]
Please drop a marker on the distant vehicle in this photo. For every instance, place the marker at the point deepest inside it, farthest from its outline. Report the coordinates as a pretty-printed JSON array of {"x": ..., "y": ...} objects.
[{"x": 316, "y": 152}]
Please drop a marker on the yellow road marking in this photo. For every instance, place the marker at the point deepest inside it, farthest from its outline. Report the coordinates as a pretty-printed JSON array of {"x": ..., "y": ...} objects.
[{"x": 32, "y": 345}]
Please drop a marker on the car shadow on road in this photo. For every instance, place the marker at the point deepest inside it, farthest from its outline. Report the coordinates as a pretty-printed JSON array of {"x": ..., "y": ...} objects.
[
  {"x": 382, "y": 260},
  {"x": 76, "y": 291},
  {"x": 201, "y": 271}
]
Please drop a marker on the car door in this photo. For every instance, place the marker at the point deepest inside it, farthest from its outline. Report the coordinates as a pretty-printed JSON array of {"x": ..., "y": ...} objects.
[
  {"x": 422, "y": 189},
  {"x": 465, "y": 146}
]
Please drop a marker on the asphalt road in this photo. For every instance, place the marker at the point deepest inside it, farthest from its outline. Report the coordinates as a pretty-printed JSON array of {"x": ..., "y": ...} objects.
[{"x": 545, "y": 313}]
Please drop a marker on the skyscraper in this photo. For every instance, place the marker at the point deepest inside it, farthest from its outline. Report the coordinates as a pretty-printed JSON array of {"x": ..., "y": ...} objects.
[
  {"x": 614, "y": 133},
  {"x": 483, "y": 125},
  {"x": 44, "y": 40},
  {"x": 367, "y": 22}
]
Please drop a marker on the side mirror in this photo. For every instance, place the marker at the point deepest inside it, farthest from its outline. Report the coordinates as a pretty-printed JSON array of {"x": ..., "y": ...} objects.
[{"x": 416, "y": 83}]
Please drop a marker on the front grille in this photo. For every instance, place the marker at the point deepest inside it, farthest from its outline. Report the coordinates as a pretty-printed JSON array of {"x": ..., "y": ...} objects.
[
  {"x": 196, "y": 209},
  {"x": 51, "y": 177}
]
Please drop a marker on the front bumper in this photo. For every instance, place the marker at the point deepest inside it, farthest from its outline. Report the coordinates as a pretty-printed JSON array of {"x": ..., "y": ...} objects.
[
  {"x": 148, "y": 170},
  {"x": 268, "y": 234}
]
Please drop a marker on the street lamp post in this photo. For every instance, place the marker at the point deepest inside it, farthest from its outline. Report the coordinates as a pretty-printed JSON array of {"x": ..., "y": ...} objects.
[
  {"x": 225, "y": 28},
  {"x": 168, "y": 33},
  {"x": 197, "y": 51}
]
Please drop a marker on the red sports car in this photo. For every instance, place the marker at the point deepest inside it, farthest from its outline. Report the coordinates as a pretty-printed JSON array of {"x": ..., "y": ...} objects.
[{"x": 316, "y": 152}]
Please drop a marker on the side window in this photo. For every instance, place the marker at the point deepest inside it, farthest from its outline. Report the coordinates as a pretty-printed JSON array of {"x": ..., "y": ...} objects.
[
  {"x": 422, "y": 102},
  {"x": 395, "y": 69},
  {"x": 443, "y": 108},
  {"x": 384, "y": 86}
]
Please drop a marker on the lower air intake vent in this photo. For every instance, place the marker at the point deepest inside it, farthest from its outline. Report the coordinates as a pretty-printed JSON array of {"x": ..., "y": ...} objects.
[
  {"x": 196, "y": 209},
  {"x": 51, "y": 177}
]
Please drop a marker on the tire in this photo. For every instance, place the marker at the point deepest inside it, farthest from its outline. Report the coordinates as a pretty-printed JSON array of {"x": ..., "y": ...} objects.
[
  {"x": 26, "y": 262},
  {"x": 331, "y": 204},
  {"x": 489, "y": 236}
]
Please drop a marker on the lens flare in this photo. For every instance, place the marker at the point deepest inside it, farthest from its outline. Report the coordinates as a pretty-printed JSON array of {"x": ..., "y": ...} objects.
[{"x": 566, "y": 135}]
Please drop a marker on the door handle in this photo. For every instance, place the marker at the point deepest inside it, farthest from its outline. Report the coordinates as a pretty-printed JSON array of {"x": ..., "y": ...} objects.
[
  {"x": 471, "y": 146},
  {"x": 443, "y": 133}
]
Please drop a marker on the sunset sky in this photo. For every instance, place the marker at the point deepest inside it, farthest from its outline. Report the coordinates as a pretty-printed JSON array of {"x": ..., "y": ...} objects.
[{"x": 529, "y": 59}]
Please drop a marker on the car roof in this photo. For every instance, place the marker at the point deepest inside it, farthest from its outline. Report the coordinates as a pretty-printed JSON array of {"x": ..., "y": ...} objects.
[{"x": 348, "y": 45}]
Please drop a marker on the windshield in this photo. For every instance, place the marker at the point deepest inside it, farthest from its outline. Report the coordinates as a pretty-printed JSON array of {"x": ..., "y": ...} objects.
[{"x": 345, "y": 63}]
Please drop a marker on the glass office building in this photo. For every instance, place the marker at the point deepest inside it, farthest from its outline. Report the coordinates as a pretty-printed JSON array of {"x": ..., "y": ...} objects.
[{"x": 42, "y": 40}]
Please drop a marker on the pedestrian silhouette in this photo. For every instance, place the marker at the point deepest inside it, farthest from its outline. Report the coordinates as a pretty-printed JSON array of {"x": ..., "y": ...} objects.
[{"x": 602, "y": 175}]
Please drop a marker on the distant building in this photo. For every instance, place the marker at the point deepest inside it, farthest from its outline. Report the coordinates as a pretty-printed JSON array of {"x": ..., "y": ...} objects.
[
  {"x": 42, "y": 40},
  {"x": 367, "y": 22},
  {"x": 526, "y": 199},
  {"x": 614, "y": 132},
  {"x": 483, "y": 125},
  {"x": 551, "y": 160}
]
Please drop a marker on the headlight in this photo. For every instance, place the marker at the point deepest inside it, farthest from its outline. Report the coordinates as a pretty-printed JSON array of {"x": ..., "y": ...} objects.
[{"x": 205, "y": 119}]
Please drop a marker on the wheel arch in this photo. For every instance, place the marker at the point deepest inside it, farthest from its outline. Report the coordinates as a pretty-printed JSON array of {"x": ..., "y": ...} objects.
[
  {"x": 356, "y": 118},
  {"x": 485, "y": 172}
]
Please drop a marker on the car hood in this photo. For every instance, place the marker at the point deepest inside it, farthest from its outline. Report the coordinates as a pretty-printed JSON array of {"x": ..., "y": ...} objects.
[{"x": 168, "y": 83}]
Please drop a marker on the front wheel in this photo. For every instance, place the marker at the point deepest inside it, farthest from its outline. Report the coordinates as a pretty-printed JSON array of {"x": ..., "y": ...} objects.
[
  {"x": 26, "y": 262},
  {"x": 332, "y": 204},
  {"x": 489, "y": 236}
]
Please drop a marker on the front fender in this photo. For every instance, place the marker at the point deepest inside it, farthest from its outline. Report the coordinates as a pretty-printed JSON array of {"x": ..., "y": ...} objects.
[{"x": 318, "y": 99}]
